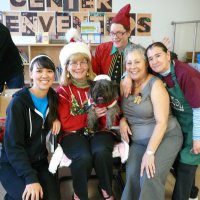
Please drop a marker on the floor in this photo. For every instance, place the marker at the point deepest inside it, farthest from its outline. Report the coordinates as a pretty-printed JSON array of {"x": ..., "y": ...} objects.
[{"x": 66, "y": 188}]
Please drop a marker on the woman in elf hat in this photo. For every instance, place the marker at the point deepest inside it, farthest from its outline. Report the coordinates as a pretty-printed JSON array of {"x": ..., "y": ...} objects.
[
  {"x": 85, "y": 151},
  {"x": 108, "y": 57}
]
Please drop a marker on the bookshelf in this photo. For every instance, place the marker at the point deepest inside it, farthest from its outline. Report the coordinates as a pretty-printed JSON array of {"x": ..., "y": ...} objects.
[{"x": 29, "y": 51}]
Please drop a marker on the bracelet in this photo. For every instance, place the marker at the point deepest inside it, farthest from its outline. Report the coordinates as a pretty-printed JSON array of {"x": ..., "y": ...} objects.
[{"x": 150, "y": 153}]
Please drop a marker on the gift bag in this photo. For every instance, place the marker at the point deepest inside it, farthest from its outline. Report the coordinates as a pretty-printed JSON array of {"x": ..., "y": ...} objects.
[{"x": 2, "y": 128}]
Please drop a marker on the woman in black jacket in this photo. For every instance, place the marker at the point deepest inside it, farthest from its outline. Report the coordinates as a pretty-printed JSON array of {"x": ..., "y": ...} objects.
[{"x": 31, "y": 114}]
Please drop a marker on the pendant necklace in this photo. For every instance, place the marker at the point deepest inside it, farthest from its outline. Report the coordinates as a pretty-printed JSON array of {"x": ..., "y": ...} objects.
[{"x": 138, "y": 97}]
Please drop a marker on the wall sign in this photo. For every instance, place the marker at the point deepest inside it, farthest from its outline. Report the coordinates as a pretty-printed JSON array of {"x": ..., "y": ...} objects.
[{"x": 60, "y": 15}]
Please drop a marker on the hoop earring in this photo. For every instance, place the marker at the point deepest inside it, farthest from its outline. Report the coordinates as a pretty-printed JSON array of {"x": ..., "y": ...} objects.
[
  {"x": 68, "y": 75},
  {"x": 87, "y": 74}
]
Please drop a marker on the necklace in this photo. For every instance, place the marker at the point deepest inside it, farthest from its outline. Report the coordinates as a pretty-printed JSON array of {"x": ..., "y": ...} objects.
[{"x": 138, "y": 99}]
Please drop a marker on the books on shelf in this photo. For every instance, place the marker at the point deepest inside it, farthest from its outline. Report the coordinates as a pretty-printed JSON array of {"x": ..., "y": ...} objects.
[
  {"x": 42, "y": 37},
  {"x": 24, "y": 57}
]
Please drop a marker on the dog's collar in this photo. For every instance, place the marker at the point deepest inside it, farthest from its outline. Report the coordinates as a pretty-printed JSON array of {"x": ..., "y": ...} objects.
[{"x": 107, "y": 105}]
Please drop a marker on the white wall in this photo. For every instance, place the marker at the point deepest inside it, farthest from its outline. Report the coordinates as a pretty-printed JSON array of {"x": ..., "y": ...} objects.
[{"x": 163, "y": 13}]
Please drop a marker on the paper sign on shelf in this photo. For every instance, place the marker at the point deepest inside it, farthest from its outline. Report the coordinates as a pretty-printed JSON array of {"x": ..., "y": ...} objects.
[{"x": 90, "y": 27}]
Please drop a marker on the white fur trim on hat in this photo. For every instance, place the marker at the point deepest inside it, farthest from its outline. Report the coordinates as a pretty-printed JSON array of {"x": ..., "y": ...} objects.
[
  {"x": 73, "y": 33},
  {"x": 73, "y": 48},
  {"x": 102, "y": 76}
]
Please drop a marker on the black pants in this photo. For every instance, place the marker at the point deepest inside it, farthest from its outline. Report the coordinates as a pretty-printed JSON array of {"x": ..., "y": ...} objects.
[
  {"x": 15, "y": 185},
  {"x": 86, "y": 154},
  {"x": 185, "y": 181}
]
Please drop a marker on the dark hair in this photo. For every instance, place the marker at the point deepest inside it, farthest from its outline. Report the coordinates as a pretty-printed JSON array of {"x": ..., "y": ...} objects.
[
  {"x": 126, "y": 28},
  {"x": 44, "y": 61},
  {"x": 53, "y": 106},
  {"x": 157, "y": 44},
  {"x": 173, "y": 55}
]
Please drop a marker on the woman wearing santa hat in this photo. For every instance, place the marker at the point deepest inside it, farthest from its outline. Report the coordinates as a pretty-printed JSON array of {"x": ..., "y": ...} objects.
[{"x": 85, "y": 150}]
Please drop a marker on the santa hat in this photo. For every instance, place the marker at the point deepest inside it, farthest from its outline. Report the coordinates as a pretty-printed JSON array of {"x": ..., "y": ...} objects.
[
  {"x": 73, "y": 35},
  {"x": 123, "y": 16},
  {"x": 102, "y": 76},
  {"x": 73, "y": 48}
]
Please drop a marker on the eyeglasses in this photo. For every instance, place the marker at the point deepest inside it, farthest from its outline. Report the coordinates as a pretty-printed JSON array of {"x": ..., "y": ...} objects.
[
  {"x": 117, "y": 34},
  {"x": 75, "y": 64}
]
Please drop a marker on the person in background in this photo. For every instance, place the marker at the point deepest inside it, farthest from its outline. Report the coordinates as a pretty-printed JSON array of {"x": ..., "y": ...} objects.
[
  {"x": 179, "y": 78},
  {"x": 85, "y": 150},
  {"x": 151, "y": 127},
  {"x": 108, "y": 58},
  {"x": 31, "y": 114},
  {"x": 11, "y": 66}
]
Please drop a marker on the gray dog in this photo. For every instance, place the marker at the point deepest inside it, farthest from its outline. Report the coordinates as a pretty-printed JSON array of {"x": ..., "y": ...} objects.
[{"x": 103, "y": 93}]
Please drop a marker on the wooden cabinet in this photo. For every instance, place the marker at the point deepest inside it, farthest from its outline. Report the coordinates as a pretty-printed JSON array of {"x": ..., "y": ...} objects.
[{"x": 189, "y": 55}]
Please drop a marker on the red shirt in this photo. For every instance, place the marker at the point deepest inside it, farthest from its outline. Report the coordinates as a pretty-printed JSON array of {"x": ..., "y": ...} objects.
[
  {"x": 103, "y": 58},
  {"x": 71, "y": 122}
]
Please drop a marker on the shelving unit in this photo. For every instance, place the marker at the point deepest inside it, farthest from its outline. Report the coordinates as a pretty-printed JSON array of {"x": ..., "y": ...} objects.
[
  {"x": 32, "y": 50},
  {"x": 189, "y": 56}
]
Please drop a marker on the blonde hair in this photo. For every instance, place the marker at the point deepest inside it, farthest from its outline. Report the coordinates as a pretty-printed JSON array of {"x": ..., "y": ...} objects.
[{"x": 65, "y": 79}]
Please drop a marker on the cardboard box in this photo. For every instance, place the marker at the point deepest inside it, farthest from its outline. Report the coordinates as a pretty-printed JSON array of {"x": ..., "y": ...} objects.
[{"x": 5, "y": 100}]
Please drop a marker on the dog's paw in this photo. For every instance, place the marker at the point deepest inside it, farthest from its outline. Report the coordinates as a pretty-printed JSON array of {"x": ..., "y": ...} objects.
[
  {"x": 92, "y": 120},
  {"x": 111, "y": 116}
]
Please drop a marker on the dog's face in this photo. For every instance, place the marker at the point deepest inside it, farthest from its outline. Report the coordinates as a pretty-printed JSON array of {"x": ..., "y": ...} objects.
[{"x": 103, "y": 91}]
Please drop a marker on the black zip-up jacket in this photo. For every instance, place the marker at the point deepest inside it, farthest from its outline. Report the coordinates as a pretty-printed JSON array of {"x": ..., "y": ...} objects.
[
  {"x": 10, "y": 60},
  {"x": 25, "y": 136}
]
